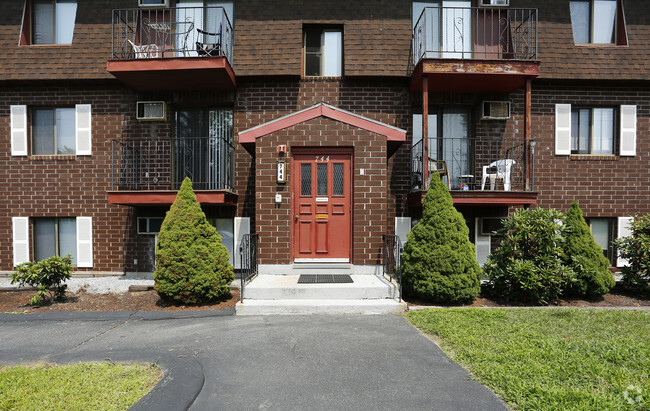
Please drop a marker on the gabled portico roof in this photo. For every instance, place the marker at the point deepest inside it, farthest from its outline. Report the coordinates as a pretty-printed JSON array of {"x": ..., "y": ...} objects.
[{"x": 393, "y": 134}]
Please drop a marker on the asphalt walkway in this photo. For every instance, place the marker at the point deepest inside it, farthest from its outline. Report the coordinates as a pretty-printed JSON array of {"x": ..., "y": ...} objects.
[{"x": 215, "y": 361}]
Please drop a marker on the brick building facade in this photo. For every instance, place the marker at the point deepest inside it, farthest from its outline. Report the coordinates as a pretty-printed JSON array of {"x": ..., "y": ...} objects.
[{"x": 240, "y": 104}]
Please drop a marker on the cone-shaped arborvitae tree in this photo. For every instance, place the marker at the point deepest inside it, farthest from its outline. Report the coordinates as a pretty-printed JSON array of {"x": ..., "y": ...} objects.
[
  {"x": 191, "y": 263},
  {"x": 591, "y": 267},
  {"x": 439, "y": 262}
]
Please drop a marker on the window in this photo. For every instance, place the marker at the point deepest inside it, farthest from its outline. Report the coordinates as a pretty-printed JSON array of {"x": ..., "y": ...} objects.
[
  {"x": 323, "y": 52},
  {"x": 592, "y": 131},
  {"x": 53, "y": 131},
  {"x": 149, "y": 225},
  {"x": 597, "y": 22},
  {"x": 55, "y": 236},
  {"x": 53, "y": 21},
  {"x": 602, "y": 230}
]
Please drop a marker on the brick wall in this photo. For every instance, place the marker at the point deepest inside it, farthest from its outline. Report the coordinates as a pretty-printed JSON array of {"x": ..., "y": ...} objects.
[
  {"x": 260, "y": 101},
  {"x": 274, "y": 223},
  {"x": 606, "y": 186},
  {"x": 67, "y": 186}
]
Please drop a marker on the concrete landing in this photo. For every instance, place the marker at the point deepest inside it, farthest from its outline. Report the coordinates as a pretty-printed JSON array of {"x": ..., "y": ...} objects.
[{"x": 281, "y": 294}]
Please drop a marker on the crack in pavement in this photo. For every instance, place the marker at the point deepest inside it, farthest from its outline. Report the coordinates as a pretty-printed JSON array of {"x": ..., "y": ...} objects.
[{"x": 100, "y": 334}]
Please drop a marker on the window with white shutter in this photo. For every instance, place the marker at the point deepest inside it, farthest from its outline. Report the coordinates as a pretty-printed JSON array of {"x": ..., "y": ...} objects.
[
  {"x": 83, "y": 129},
  {"x": 18, "y": 121},
  {"x": 563, "y": 129},
  {"x": 20, "y": 231},
  {"x": 624, "y": 230},
  {"x": 84, "y": 242},
  {"x": 628, "y": 131}
]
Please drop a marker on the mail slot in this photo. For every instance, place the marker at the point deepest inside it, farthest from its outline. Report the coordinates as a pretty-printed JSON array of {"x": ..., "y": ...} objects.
[{"x": 321, "y": 215}]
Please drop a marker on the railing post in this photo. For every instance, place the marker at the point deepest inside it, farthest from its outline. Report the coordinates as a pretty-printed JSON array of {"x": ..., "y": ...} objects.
[{"x": 425, "y": 132}]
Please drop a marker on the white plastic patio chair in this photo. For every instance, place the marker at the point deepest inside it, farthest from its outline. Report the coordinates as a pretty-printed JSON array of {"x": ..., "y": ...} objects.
[
  {"x": 145, "y": 51},
  {"x": 503, "y": 172}
]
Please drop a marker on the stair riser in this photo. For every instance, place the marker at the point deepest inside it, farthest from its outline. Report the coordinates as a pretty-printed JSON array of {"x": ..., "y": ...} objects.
[
  {"x": 320, "y": 293},
  {"x": 301, "y": 308}
]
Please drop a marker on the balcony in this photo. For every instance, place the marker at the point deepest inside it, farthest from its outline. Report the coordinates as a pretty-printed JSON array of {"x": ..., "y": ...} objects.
[
  {"x": 474, "y": 49},
  {"x": 173, "y": 49},
  {"x": 150, "y": 171},
  {"x": 508, "y": 170}
]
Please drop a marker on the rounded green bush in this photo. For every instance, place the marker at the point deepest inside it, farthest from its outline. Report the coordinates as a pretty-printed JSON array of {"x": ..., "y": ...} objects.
[
  {"x": 528, "y": 265},
  {"x": 439, "y": 262},
  {"x": 593, "y": 278},
  {"x": 191, "y": 263}
]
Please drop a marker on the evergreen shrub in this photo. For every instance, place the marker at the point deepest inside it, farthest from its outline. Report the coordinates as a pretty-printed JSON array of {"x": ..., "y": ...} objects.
[
  {"x": 47, "y": 275},
  {"x": 585, "y": 257},
  {"x": 439, "y": 262},
  {"x": 528, "y": 265},
  {"x": 191, "y": 263},
  {"x": 636, "y": 249}
]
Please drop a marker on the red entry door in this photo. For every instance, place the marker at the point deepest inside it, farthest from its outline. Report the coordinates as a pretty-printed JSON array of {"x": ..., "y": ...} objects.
[{"x": 322, "y": 197}]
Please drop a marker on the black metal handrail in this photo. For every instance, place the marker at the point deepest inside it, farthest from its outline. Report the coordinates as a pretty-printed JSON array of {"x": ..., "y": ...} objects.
[
  {"x": 475, "y": 33},
  {"x": 466, "y": 157},
  {"x": 248, "y": 259},
  {"x": 163, "y": 163},
  {"x": 391, "y": 258},
  {"x": 171, "y": 32}
]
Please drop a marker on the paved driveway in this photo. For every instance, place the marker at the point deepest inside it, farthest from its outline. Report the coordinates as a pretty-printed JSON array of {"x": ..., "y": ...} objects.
[{"x": 284, "y": 362}]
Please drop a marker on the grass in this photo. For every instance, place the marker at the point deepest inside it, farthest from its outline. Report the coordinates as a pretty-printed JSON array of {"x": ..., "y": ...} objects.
[
  {"x": 76, "y": 387},
  {"x": 550, "y": 359}
]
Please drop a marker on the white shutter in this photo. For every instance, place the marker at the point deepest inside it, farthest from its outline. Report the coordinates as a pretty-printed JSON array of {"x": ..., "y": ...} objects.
[
  {"x": 84, "y": 241},
  {"x": 562, "y": 129},
  {"x": 20, "y": 239},
  {"x": 242, "y": 226},
  {"x": 628, "y": 131},
  {"x": 482, "y": 243},
  {"x": 624, "y": 230},
  {"x": 18, "y": 130},
  {"x": 402, "y": 228},
  {"x": 83, "y": 121}
]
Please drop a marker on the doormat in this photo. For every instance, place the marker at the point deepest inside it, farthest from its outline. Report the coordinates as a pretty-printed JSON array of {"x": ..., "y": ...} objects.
[{"x": 324, "y": 279}]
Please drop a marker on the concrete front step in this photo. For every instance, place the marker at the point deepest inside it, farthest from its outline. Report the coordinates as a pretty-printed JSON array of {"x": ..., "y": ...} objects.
[
  {"x": 286, "y": 287},
  {"x": 320, "y": 306}
]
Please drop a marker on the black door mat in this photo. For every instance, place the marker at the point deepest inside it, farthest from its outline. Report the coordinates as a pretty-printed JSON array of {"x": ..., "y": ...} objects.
[{"x": 324, "y": 279}]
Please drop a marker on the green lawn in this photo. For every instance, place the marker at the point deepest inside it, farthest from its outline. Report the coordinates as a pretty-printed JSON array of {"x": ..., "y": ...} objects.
[
  {"x": 75, "y": 387},
  {"x": 550, "y": 359}
]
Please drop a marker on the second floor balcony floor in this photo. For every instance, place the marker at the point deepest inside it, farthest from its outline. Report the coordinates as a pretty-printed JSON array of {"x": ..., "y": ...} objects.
[
  {"x": 473, "y": 49},
  {"x": 176, "y": 48}
]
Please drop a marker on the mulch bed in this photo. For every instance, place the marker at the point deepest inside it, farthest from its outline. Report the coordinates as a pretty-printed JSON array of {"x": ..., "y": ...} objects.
[{"x": 18, "y": 302}]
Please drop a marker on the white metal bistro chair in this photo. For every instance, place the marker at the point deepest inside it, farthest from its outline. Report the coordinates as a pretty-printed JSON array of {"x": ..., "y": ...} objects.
[{"x": 503, "y": 167}]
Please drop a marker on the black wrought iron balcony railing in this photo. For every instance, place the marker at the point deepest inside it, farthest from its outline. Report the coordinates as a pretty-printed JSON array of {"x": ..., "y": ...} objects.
[
  {"x": 162, "y": 164},
  {"x": 475, "y": 164},
  {"x": 171, "y": 33},
  {"x": 475, "y": 33}
]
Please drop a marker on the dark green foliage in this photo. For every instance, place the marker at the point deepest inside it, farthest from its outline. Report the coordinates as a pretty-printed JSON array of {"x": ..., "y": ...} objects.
[
  {"x": 585, "y": 257},
  {"x": 636, "y": 249},
  {"x": 528, "y": 264},
  {"x": 439, "y": 262},
  {"x": 47, "y": 275},
  {"x": 191, "y": 263}
]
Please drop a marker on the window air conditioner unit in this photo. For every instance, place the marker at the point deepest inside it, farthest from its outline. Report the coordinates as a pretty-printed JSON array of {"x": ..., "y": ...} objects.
[
  {"x": 153, "y": 3},
  {"x": 150, "y": 110},
  {"x": 496, "y": 110},
  {"x": 495, "y": 3}
]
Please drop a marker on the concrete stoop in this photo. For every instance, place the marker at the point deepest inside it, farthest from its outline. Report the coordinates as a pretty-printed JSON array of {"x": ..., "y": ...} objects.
[{"x": 281, "y": 294}]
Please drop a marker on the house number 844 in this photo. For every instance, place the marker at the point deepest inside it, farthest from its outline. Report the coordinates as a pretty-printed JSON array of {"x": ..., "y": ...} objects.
[{"x": 323, "y": 159}]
